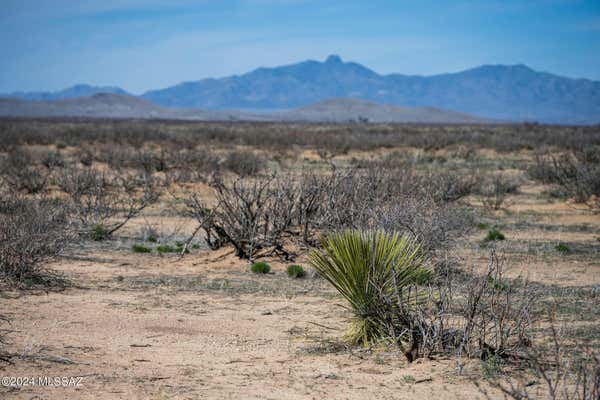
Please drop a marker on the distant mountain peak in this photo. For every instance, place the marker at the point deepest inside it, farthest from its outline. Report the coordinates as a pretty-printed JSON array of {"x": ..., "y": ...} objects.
[
  {"x": 75, "y": 91},
  {"x": 334, "y": 59},
  {"x": 497, "y": 92}
]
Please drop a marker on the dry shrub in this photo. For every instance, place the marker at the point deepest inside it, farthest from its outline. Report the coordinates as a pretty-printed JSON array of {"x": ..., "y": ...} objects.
[
  {"x": 21, "y": 173},
  {"x": 480, "y": 315},
  {"x": 336, "y": 138},
  {"x": 192, "y": 165},
  {"x": 496, "y": 189},
  {"x": 267, "y": 211},
  {"x": 250, "y": 216},
  {"x": 244, "y": 163},
  {"x": 576, "y": 173},
  {"x": 33, "y": 233},
  {"x": 567, "y": 372},
  {"x": 4, "y": 355},
  {"x": 102, "y": 203}
]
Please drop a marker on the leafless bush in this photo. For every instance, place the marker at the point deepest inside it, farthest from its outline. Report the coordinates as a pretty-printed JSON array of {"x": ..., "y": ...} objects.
[
  {"x": 244, "y": 163},
  {"x": 250, "y": 216},
  {"x": 495, "y": 191},
  {"x": 484, "y": 317},
  {"x": 4, "y": 355},
  {"x": 20, "y": 172},
  {"x": 565, "y": 373},
  {"x": 33, "y": 233},
  {"x": 192, "y": 165},
  {"x": 266, "y": 211},
  {"x": 577, "y": 174},
  {"x": 53, "y": 159},
  {"x": 449, "y": 187},
  {"x": 439, "y": 226},
  {"x": 102, "y": 203}
]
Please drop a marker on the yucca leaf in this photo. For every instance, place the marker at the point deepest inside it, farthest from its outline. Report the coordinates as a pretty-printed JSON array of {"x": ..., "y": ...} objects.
[{"x": 362, "y": 265}]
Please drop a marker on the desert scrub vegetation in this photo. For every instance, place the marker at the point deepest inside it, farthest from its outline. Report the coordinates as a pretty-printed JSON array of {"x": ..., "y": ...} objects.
[
  {"x": 20, "y": 171},
  {"x": 575, "y": 174},
  {"x": 363, "y": 264},
  {"x": 463, "y": 314},
  {"x": 103, "y": 203},
  {"x": 283, "y": 190},
  {"x": 263, "y": 215},
  {"x": 296, "y": 271},
  {"x": 278, "y": 137},
  {"x": 496, "y": 189},
  {"x": 33, "y": 233},
  {"x": 260, "y": 267},
  {"x": 139, "y": 248},
  {"x": 244, "y": 163},
  {"x": 379, "y": 274},
  {"x": 494, "y": 235}
]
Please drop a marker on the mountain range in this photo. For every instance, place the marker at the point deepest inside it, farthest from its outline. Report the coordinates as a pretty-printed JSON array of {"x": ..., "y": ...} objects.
[
  {"x": 492, "y": 92},
  {"x": 110, "y": 105}
]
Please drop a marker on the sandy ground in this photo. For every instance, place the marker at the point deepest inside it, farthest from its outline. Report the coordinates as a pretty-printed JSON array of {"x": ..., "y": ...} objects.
[
  {"x": 149, "y": 335},
  {"x": 146, "y": 326}
]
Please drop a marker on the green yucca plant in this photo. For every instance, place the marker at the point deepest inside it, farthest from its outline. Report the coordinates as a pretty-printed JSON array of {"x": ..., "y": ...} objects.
[{"x": 364, "y": 266}]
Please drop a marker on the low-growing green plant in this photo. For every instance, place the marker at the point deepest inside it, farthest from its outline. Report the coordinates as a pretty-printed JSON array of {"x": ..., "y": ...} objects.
[
  {"x": 167, "y": 248},
  {"x": 99, "y": 233},
  {"x": 563, "y": 248},
  {"x": 491, "y": 368},
  {"x": 260, "y": 267},
  {"x": 296, "y": 271},
  {"x": 494, "y": 235},
  {"x": 138, "y": 248},
  {"x": 152, "y": 239},
  {"x": 499, "y": 284},
  {"x": 423, "y": 276}
]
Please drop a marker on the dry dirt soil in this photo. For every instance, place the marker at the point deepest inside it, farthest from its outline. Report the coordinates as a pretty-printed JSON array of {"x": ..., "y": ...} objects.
[{"x": 151, "y": 326}]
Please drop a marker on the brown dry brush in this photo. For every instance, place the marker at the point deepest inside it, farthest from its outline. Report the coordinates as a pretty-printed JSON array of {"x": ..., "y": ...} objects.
[
  {"x": 564, "y": 371},
  {"x": 491, "y": 318},
  {"x": 32, "y": 233},
  {"x": 103, "y": 203},
  {"x": 250, "y": 216},
  {"x": 336, "y": 138},
  {"x": 4, "y": 355},
  {"x": 495, "y": 191},
  {"x": 21, "y": 173},
  {"x": 259, "y": 216},
  {"x": 577, "y": 174},
  {"x": 481, "y": 316}
]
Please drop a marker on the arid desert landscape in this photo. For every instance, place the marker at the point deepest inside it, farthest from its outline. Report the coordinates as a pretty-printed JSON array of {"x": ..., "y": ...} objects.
[{"x": 172, "y": 259}]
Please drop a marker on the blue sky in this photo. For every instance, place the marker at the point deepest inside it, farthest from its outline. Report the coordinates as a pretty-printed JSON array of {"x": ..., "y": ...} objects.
[{"x": 148, "y": 44}]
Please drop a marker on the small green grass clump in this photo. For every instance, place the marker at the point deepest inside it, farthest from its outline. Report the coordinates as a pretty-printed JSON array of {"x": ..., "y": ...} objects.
[
  {"x": 138, "y": 248},
  {"x": 260, "y": 268},
  {"x": 423, "y": 276},
  {"x": 152, "y": 239},
  {"x": 165, "y": 248},
  {"x": 99, "y": 233},
  {"x": 499, "y": 285},
  {"x": 483, "y": 226},
  {"x": 494, "y": 235},
  {"x": 562, "y": 248},
  {"x": 492, "y": 367},
  {"x": 296, "y": 271}
]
